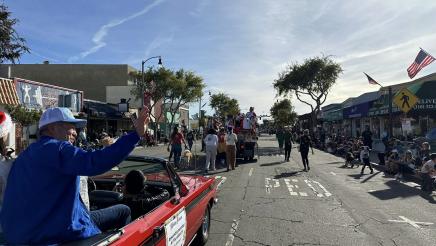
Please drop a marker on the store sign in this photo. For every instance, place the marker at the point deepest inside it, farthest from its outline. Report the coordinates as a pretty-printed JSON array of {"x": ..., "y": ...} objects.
[
  {"x": 356, "y": 111},
  {"x": 35, "y": 95},
  {"x": 426, "y": 104}
]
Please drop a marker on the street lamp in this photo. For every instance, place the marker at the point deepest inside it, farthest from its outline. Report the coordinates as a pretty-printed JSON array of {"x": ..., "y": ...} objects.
[{"x": 142, "y": 74}]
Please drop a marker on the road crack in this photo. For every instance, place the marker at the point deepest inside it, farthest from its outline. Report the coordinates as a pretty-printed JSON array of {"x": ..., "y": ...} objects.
[{"x": 249, "y": 241}]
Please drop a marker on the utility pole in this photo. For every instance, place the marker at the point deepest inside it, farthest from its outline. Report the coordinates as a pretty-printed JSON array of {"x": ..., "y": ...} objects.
[{"x": 390, "y": 112}]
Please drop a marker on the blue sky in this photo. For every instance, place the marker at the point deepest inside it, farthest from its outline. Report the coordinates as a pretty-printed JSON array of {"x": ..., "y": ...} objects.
[{"x": 240, "y": 46}]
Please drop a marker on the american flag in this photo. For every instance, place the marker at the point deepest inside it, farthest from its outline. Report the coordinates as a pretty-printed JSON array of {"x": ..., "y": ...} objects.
[
  {"x": 371, "y": 80},
  {"x": 421, "y": 60}
]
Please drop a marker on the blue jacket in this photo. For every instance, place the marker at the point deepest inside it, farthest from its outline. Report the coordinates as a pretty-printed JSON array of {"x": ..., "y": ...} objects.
[{"x": 42, "y": 203}]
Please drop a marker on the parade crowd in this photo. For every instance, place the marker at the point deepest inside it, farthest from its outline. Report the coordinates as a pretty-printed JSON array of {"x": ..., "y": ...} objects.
[{"x": 395, "y": 157}]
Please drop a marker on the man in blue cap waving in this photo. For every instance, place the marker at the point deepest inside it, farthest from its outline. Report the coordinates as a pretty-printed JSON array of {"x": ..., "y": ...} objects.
[{"x": 42, "y": 203}]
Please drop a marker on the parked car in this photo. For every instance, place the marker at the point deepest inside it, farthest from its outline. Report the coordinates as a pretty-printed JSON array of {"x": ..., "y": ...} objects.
[{"x": 183, "y": 215}]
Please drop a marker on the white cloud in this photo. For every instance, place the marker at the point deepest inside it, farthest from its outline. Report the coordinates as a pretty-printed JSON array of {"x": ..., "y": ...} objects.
[{"x": 98, "y": 38}]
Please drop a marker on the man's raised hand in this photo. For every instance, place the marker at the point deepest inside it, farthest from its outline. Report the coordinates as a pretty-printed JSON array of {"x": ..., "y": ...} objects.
[{"x": 142, "y": 121}]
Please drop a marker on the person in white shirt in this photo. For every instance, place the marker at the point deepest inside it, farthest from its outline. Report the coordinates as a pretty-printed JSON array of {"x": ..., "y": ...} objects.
[
  {"x": 211, "y": 142},
  {"x": 428, "y": 170},
  {"x": 5, "y": 161},
  {"x": 231, "y": 140}
]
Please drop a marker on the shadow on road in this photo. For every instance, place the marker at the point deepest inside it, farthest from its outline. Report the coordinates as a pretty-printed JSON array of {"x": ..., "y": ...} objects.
[
  {"x": 287, "y": 175},
  {"x": 400, "y": 190},
  {"x": 271, "y": 164}
]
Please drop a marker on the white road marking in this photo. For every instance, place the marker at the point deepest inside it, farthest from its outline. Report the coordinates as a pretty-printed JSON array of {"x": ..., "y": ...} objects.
[
  {"x": 303, "y": 194},
  {"x": 327, "y": 193},
  {"x": 232, "y": 233},
  {"x": 333, "y": 173},
  {"x": 411, "y": 222},
  {"x": 290, "y": 188},
  {"x": 251, "y": 172},
  {"x": 276, "y": 183},
  {"x": 223, "y": 180},
  {"x": 311, "y": 187},
  {"x": 268, "y": 186},
  {"x": 295, "y": 180}
]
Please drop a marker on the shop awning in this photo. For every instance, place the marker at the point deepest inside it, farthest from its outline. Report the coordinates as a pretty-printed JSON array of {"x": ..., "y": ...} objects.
[{"x": 8, "y": 92}]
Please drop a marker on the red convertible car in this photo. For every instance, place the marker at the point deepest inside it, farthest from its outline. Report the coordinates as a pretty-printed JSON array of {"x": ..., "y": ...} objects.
[{"x": 172, "y": 209}]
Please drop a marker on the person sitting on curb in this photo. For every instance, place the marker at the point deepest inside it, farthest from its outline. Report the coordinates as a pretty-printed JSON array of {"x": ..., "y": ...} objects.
[
  {"x": 42, "y": 203},
  {"x": 428, "y": 171},
  {"x": 407, "y": 165},
  {"x": 393, "y": 160}
]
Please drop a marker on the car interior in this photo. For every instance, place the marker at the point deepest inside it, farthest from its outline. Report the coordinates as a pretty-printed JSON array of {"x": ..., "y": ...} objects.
[{"x": 143, "y": 186}]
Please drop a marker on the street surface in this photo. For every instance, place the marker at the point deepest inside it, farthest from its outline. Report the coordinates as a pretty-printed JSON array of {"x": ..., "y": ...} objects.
[{"x": 270, "y": 202}]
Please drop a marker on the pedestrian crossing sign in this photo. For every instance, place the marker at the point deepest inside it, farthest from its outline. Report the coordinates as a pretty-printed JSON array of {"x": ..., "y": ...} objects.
[{"x": 405, "y": 100}]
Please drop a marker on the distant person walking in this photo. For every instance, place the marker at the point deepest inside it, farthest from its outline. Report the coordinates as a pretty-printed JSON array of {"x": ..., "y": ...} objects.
[
  {"x": 231, "y": 139},
  {"x": 305, "y": 143},
  {"x": 288, "y": 144},
  {"x": 280, "y": 138},
  {"x": 176, "y": 145},
  {"x": 364, "y": 157},
  {"x": 211, "y": 142}
]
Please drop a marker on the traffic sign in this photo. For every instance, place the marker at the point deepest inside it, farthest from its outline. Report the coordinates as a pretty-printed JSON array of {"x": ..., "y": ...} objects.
[{"x": 405, "y": 100}]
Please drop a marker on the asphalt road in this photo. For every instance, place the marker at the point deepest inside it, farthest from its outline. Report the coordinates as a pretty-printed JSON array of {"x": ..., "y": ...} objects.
[{"x": 270, "y": 202}]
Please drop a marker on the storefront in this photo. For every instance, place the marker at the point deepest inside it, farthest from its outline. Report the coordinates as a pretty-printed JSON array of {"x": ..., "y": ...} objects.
[{"x": 418, "y": 121}]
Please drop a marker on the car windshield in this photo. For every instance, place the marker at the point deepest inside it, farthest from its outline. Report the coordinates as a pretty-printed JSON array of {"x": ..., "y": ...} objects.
[{"x": 153, "y": 171}]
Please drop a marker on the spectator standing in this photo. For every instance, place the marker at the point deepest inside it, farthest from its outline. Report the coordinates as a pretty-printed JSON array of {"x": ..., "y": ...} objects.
[
  {"x": 427, "y": 173},
  {"x": 231, "y": 139},
  {"x": 380, "y": 148},
  {"x": 221, "y": 148},
  {"x": 176, "y": 145},
  {"x": 367, "y": 137},
  {"x": 305, "y": 143},
  {"x": 190, "y": 138},
  {"x": 211, "y": 142},
  {"x": 280, "y": 138},
  {"x": 288, "y": 144}
]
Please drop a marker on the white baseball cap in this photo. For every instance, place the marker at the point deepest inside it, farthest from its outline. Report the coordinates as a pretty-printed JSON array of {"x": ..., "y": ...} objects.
[{"x": 59, "y": 114}]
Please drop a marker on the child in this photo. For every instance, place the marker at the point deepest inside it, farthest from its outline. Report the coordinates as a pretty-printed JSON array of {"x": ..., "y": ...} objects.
[{"x": 364, "y": 157}]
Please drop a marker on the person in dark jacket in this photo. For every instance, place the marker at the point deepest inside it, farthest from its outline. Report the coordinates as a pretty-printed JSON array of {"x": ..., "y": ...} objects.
[
  {"x": 305, "y": 143},
  {"x": 42, "y": 203},
  {"x": 288, "y": 144}
]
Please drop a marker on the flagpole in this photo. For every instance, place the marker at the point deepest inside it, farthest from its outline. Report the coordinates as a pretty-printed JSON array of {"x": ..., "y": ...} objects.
[{"x": 390, "y": 106}]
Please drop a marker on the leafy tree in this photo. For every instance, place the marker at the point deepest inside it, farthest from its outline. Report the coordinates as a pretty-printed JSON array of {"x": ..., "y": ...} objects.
[
  {"x": 159, "y": 83},
  {"x": 224, "y": 105},
  {"x": 186, "y": 88},
  {"x": 310, "y": 82},
  {"x": 283, "y": 113},
  {"x": 22, "y": 115},
  {"x": 12, "y": 46}
]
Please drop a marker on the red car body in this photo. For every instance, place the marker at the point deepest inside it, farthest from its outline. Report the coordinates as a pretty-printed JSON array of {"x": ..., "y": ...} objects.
[{"x": 194, "y": 196}]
